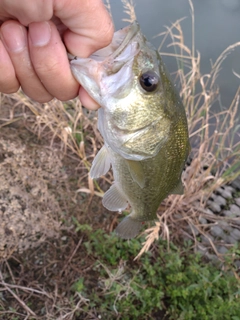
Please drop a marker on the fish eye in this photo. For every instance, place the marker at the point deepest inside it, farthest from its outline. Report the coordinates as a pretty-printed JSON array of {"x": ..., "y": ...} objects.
[{"x": 149, "y": 81}]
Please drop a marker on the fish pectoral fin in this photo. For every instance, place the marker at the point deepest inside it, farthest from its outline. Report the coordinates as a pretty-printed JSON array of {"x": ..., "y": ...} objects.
[
  {"x": 128, "y": 228},
  {"x": 179, "y": 189},
  {"x": 101, "y": 163},
  {"x": 136, "y": 171},
  {"x": 114, "y": 200}
]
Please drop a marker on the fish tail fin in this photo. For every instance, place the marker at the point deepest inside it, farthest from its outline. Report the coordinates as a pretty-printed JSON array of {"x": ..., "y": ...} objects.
[{"x": 128, "y": 228}]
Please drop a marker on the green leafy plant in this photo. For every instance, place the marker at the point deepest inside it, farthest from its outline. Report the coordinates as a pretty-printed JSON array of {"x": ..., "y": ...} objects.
[{"x": 177, "y": 281}]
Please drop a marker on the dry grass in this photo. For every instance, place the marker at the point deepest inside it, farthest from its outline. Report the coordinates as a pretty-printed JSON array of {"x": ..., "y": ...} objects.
[
  {"x": 128, "y": 6},
  {"x": 214, "y": 136}
]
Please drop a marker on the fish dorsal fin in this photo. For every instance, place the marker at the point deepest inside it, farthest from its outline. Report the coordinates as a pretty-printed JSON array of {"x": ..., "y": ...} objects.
[
  {"x": 101, "y": 163},
  {"x": 114, "y": 200},
  {"x": 178, "y": 189},
  {"x": 136, "y": 171}
]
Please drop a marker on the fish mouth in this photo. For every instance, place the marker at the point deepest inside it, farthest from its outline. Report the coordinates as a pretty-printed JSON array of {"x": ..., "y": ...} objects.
[
  {"x": 120, "y": 42},
  {"x": 108, "y": 71},
  {"x": 131, "y": 32}
]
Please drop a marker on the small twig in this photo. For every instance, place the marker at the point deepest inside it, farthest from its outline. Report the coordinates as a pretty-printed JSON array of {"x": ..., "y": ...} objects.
[
  {"x": 10, "y": 271},
  {"x": 113, "y": 223},
  {"x": 13, "y": 286},
  {"x": 22, "y": 303},
  {"x": 77, "y": 307},
  {"x": 71, "y": 257},
  {"x": 11, "y": 312},
  {"x": 10, "y": 122}
]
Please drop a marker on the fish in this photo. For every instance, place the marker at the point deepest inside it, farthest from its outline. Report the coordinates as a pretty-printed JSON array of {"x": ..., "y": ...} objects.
[{"x": 143, "y": 123}]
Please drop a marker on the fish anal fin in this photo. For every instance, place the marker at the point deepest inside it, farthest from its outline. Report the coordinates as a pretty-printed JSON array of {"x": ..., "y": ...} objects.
[
  {"x": 114, "y": 200},
  {"x": 101, "y": 163},
  {"x": 179, "y": 189},
  {"x": 136, "y": 171},
  {"x": 128, "y": 228}
]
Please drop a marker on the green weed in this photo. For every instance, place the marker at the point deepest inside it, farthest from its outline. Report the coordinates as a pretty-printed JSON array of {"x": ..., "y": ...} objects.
[{"x": 174, "y": 280}]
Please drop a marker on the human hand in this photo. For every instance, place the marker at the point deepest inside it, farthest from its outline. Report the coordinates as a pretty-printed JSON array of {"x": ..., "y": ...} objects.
[{"x": 34, "y": 35}]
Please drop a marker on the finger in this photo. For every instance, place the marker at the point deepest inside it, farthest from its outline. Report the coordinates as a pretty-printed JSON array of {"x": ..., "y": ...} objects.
[
  {"x": 15, "y": 40},
  {"x": 8, "y": 80},
  {"x": 50, "y": 61},
  {"x": 87, "y": 101},
  {"x": 26, "y": 11},
  {"x": 90, "y": 26}
]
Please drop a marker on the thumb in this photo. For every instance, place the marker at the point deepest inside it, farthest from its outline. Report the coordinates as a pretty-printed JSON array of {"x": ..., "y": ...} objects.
[{"x": 89, "y": 25}]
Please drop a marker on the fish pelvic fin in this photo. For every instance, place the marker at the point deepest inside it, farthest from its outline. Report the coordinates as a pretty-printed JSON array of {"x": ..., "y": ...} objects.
[
  {"x": 128, "y": 228},
  {"x": 114, "y": 200},
  {"x": 101, "y": 163}
]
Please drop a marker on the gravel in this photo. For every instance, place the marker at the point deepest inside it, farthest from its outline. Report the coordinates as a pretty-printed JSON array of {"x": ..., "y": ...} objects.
[
  {"x": 224, "y": 202},
  {"x": 217, "y": 232},
  {"x": 214, "y": 206},
  {"x": 235, "y": 209}
]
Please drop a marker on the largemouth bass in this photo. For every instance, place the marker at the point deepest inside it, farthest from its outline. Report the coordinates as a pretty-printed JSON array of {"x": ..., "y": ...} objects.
[{"x": 143, "y": 123}]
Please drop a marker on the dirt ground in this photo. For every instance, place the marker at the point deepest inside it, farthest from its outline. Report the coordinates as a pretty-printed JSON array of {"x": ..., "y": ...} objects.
[{"x": 40, "y": 249}]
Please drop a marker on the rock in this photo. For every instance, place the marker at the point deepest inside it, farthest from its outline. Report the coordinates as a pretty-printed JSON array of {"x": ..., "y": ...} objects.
[
  {"x": 220, "y": 200},
  {"x": 215, "y": 207},
  {"x": 225, "y": 191},
  {"x": 229, "y": 188},
  {"x": 202, "y": 220},
  {"x": 222, "y": 250},
  {"x": 225, "y": 226},
  {"x": 237, "y": 200},
  {"x": 235, "y": 234},
  {"x": 178, "y": 216},
  {"x": 202, "y": 250},
  {"x": 229, "y": 214},
  {"x": 235, "y": 209},
  {"x": 230, "y": 240},
  {"x": 193, "y": 230},
  {"x": 213, "y": 258},
  {"x": 216, "y": 231},
  {"x": 208, "y": 211},
  {"x": 236, "y": 184},
  {"x": 205, "y": 239}
]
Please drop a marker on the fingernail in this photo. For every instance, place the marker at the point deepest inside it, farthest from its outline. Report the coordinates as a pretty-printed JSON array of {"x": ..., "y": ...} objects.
[
  {"x": 40, "y": 33},
  {"x": 13, "y": 36}
]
